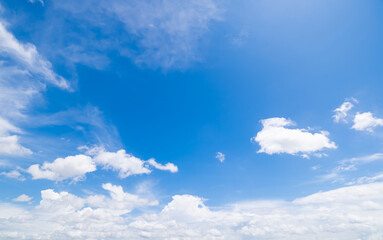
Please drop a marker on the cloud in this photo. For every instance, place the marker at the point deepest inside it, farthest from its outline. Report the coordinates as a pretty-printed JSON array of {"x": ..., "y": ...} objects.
[
  {"x": 40, "y": 1},
  {"x": 350, "y": 165},
  {"x": 9, "y": 144},
  {"x": 275, "y": 137},
  {"x": 23, "y": 76},
  {"x": 22, "y": 198},
  {"x": 88, "y": 120},
  {"x": 72, "y": 167},
  {"x": 342, "y": 111},
  {"x": 167, "y": 167},
  {"x": 220, "y": 156},
  {"x": 163, "y": 34},
  {"x": 345, "y": 213},
  {"x": 76, "y": 167},
  {"x": 366, "y": 122},
  {"x": 122, "y": 162},
  {"x": 27, "y": 56},
  {"x": 15, "y": 174},
  {"x": 365, "y": 179}
]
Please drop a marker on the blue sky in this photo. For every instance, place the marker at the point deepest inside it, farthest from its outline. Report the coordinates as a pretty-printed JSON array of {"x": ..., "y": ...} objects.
[{"x": 194, "y": 119}]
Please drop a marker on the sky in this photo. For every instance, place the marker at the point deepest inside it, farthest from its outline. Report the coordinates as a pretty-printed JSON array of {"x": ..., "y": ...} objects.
[{"x": 200, "y": 119}]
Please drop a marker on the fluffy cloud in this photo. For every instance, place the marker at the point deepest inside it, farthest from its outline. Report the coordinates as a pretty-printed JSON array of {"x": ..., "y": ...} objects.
[
  {"x": 220, "y": 156},
  {"x": 275, "y": 137},
  {"x": 22, "y": 198},
  {"x": 354, "y": 212},
  {"x": 366, "y": 122},
  {"x": 76, "y": 167},
  {"x": 122, "y": 162},
  {"x": 342, "y": 111},
  {"x": 72, "y": 167}
]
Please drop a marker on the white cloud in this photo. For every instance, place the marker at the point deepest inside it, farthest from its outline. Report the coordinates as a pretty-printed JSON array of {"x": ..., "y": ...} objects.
[
  {"x": 27, "y": 56},
  {"x": 6, "y": 127},
  {"x": 346, "y": 213},
  {"x": 220, "y": 156},
  {"x": 342, "y": 111},
  {"x": 167, "y": 167},
  {"x": 15, "y": 174},
  {"x": 122, "y": 162},
  {"x": 23, "y": 73},
  {"x": 366, "y": 122},
  {"x": 365, "y": 179},
  {"x": 22, "y": 198},
  {"x": 275, "y": 137},
  {"x": 72, "y": 167},
  {"x": 9, "y": 145},
  {"x": 76, "y": 167},
  {"x": 350, "y": 165}
]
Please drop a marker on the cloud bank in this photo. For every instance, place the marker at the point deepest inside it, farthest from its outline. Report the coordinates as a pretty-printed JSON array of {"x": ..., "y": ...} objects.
[{"x": 346, "y": 213}]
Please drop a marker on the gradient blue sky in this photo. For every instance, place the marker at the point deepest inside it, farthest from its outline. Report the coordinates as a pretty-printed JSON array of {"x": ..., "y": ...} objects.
[{"x": 180, "y": 81}]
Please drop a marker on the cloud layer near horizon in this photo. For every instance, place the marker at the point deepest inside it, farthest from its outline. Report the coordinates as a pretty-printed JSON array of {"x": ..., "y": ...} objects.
[{"x": 346, "y": 213}]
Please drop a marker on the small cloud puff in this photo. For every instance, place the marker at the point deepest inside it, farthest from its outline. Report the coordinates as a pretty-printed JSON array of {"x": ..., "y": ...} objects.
[
  {"x": 22, "y": 198},
  {"x": 220, "y": 156}
]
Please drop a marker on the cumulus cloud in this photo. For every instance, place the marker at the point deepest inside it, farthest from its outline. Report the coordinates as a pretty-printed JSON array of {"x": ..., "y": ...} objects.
[
  {"x": 366, "y": 122},
  {"x": 122, "y": 162},
  {"x": 275, "y": 138},
  {"x": 22, "y": 198},
  {"x": 76, "y": 167},
  {"x": 342, "y": 111},
  {"x": 354, "y": 212},
  {"x": 220, "y": 156},
  {"x": 72, "y": 167}
]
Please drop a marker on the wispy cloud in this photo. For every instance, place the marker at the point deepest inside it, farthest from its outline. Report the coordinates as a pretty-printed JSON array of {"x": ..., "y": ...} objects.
[
  {"x": 351, "y": 164},
  {"x": 341, "y": 113},
  {"x": 163, "y": 34}
]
